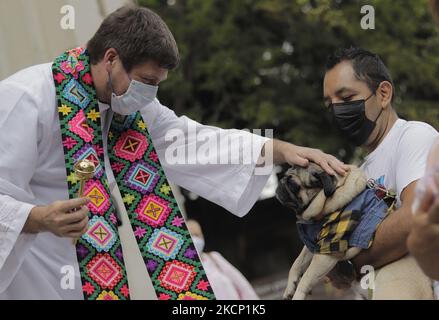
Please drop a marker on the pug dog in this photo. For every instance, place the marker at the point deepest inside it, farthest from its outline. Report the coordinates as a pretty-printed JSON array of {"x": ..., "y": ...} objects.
[{"x": 336, "y": 219}]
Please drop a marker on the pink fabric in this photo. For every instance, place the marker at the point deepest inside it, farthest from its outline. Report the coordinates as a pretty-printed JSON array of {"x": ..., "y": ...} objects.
[{"x": 227, "y": 282}]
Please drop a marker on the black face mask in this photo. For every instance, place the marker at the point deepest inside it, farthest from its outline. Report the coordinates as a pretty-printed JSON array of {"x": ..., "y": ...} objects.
[{"x": 350, "y": 118}]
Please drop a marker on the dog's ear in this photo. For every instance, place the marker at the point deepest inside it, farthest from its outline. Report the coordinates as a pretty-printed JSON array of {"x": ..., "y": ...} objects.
[{"x": 328, "y": 183}]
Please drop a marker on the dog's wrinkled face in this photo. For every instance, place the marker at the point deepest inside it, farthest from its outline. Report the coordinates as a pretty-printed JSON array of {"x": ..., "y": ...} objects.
[{"x": 300, "y": 185}]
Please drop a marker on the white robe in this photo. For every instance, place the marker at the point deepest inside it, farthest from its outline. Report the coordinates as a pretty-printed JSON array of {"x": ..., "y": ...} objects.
[{"x": 32, "y": 172}]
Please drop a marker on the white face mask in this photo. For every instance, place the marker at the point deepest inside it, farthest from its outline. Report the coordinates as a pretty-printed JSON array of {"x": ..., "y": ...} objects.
[
  {"x": 137, "y": 96},
  {"x": 199, "y": 244}
]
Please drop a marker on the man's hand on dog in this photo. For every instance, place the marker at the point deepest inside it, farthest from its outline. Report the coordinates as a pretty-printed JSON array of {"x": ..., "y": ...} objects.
[{"x": 284, "y": 152}]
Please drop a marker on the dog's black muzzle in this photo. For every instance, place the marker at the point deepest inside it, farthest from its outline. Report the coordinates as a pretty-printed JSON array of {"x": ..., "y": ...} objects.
[{"x": 286, "y": 194}]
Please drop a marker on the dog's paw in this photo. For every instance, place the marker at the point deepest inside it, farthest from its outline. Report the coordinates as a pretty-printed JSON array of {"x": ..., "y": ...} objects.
[
  {"x": 290, "y": 290},
  {"x": 298, "y": 295},
  {"x": 288, "y": 296}
]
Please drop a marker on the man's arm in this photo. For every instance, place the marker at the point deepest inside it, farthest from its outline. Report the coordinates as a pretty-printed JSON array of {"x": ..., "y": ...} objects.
[
  {"x": 18, "y": 158},
  {"x": 162, "y": 121},
  {"x": 20, "y": 219},
  {"x": 390, "y": 239},
  {"x": 202, "y": 158}
]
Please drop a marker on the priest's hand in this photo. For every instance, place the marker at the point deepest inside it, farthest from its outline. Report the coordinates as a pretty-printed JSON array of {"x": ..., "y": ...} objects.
[
  {"x": 284, "y": 152},
  {"x": 66, "y": 219}
]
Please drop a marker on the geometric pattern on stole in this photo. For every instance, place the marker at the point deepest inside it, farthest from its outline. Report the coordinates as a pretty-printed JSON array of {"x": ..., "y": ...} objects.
[{"x": 159, "y": 227}]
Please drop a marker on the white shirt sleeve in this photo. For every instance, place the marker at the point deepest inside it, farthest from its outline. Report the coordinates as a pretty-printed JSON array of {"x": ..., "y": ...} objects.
[
  {"x": 18, "y": 158},
  {"x": 217, "y": 164},
  {"x": 413, "y": 149}
]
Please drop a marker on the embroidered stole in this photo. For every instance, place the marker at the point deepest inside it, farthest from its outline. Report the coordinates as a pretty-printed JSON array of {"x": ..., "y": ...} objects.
[{"x": 162, "y": 236}]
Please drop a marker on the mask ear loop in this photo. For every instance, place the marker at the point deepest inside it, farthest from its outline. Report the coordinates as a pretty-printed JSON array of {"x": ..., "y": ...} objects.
[
  {"x": 382, "y": 109},
  {"x": 377, "y": 66},
  {"x": 379, "y": 115},
  {"x": 369, "y": 97},
  {"x": 110, "y": 82}
]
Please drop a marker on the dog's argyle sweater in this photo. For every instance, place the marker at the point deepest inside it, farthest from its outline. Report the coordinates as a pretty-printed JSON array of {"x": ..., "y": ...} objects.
[{"x": 354, "y": 226}]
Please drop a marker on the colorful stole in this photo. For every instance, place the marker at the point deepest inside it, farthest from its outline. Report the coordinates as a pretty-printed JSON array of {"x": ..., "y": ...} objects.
[{"x": 163, "y": 239}]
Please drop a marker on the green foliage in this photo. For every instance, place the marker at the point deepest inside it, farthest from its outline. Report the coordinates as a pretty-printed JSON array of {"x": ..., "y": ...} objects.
[{"x": 260, "y": 63}]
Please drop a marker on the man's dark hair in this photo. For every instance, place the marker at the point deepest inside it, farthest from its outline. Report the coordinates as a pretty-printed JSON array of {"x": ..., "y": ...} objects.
[
  {"x": 139, "y": 35},
  {"x": 368, "y": 67}
]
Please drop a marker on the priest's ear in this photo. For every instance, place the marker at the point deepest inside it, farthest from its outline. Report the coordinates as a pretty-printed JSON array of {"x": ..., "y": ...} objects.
[{"x": 110, "y": 57}]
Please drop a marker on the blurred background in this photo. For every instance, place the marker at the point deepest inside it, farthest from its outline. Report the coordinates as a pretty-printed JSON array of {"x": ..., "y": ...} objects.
[{"x": 253, "y": 64}]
